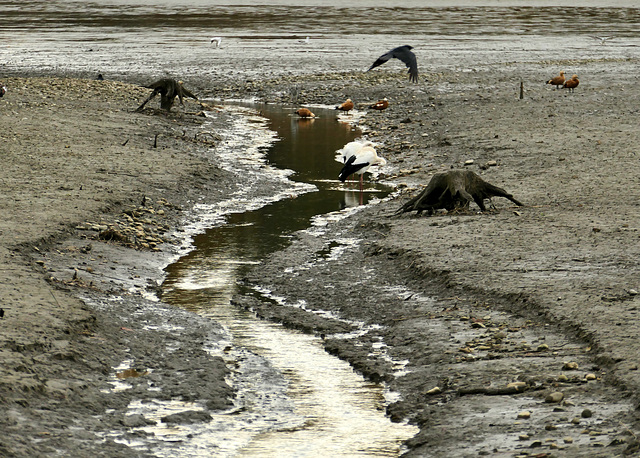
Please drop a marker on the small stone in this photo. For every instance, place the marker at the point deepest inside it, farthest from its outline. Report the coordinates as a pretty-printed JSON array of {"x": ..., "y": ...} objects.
[
  {"x": 550, "y": 427},
  {"x": 469, "y": 162},
  {"x": 136, "y": 421},
  {"x": 523, "y": 437},
  {"x": 535, "y": 444},
  {"x": 586, "y": 413},
  {"x": 554, "y": 397},
  {"x": 520, "y": 386},
  {"x": 570, "y": 366},
  {"x": 525, "y": 414},
  {"x": 563, "y": 378},
  {"x": 633, "y": 292},
  {"x": 435, "y": 390},
  {"x": 575, "y": 421},
  {"x": 491, "y": 163},
  {"x": 543, "y": 347},
  {"x": 590, "y": 376},
  {"x": 568, "y": 440}
]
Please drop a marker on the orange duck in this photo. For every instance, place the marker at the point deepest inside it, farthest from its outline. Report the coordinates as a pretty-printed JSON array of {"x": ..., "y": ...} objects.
[
  {"x": 380, "y": 104},
  {"x": 572, "y": 83},
  {"x": 346, "y": 106},
  {"x": 305, "y": 113},
  {"x": 557, "y": 81}
]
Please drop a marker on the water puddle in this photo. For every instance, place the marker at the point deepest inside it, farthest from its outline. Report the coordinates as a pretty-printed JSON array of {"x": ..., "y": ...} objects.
[{"x": 292, "y": 395}]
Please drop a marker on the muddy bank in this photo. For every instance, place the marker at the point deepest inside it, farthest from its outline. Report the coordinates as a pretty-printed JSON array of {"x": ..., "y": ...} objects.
[
  {"x": 472, "y": 302},
  {"x": 476, "y": 302},
  {"x": 93, "y": 193}
]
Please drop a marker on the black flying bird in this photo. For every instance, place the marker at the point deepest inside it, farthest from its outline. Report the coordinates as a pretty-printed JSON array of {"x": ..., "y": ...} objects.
[{"x": 405, "y": 54}]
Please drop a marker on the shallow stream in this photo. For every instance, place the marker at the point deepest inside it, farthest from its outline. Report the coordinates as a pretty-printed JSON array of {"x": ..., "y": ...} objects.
[{"x": 291, "y": 394}]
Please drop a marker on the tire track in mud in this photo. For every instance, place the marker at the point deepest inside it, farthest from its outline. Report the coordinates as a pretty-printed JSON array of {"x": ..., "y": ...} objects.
[{"x": 474, "y": 377}]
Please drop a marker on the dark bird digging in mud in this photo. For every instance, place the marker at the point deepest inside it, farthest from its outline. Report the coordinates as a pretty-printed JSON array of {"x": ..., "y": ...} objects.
[
  {"x": 3, "y": 90},
  {"x": 454, "y": 189},
  {"x": 405, "y": 54},
  {"x": 168, "y": 89}
]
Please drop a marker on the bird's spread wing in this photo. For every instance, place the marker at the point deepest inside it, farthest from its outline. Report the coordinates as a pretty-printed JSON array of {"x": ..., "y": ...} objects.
[
  {"x": 404, "y": 54},
  {"x": 382, "y": 59},
  {"x": 409, "y": 58}
]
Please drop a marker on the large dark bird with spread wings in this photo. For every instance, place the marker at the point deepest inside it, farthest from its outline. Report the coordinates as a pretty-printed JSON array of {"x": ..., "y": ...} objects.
[{"x": 405, "y": 54}]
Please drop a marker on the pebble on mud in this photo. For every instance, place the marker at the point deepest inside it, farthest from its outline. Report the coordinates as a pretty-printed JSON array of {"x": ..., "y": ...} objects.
[
  {"x": 525, "y": 414},
  {"x": 590, "y": 376},
  {"x": 519, "y": 386},
  {"x": 435, "y": 390},
  {"x": 570, "y": 366},
  {"x": 568, "y": 440},
  {"x": 554, "y": 397},
  {"x": 586, "y": 413}
]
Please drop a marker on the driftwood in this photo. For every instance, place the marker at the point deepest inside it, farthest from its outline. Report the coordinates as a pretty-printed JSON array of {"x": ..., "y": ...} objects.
[
  {"x": 454, "y": 189},
  {"x": 168, "y": 89}
]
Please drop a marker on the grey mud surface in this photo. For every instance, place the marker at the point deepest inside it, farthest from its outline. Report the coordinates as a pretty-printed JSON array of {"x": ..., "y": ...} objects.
[{"x": 494, "y": 312}]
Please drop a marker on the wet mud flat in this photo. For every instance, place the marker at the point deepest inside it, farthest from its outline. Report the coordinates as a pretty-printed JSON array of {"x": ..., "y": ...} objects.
[
  {"x": 541, "y": 298},
  {"x": 95, "y": 196},
  {"x": 473, "y": 302}
]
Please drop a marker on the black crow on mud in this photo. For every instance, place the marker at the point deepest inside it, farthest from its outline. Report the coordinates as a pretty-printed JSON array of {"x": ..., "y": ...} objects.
[{"x": 405, "y": 54}]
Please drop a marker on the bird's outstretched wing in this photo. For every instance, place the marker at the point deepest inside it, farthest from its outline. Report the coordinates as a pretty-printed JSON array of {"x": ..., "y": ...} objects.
[{"x": 404, "y": 54}]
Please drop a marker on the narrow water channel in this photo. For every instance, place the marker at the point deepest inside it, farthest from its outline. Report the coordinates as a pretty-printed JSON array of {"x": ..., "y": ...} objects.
[{"x": 299, "y": 401}]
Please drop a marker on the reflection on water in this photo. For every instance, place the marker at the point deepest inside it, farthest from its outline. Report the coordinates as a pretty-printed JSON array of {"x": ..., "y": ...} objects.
[
  {"x": 307, "y": 147},
  {"x": 276, "y": 18},
  {"x": 331, "y": 411}
]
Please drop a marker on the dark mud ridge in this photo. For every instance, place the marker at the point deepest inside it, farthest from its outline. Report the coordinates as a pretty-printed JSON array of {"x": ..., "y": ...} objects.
[{"x": 479, "y": 373}]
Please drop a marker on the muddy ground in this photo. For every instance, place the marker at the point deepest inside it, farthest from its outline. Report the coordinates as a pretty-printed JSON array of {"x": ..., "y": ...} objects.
[{"x": 495, "y": 311}]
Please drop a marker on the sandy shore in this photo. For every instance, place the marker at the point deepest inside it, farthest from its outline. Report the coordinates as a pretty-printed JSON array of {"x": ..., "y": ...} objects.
[{"x": 510, "y": 295}]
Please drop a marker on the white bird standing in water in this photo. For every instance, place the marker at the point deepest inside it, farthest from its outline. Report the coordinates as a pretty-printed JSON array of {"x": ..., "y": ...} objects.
[
  {"x": 218, "y": 41},
  {"x": 350, "y": 149},
  {"x": 360, "y": 162}
]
